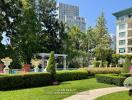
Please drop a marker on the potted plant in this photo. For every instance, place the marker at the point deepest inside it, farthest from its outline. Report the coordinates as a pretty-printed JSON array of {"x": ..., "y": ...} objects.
[{"x": 128, "y": 84}]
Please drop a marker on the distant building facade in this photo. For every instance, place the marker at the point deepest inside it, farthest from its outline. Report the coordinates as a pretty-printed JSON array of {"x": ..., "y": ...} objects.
[
  {"x": 124, "y": 31},
  {"x": 113, "y": 42},
  {"x": 69, "y": 14}
]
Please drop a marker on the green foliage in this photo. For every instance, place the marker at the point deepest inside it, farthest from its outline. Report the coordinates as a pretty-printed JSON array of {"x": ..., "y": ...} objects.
[
  {"x": 126, "y": 74},
  {"x": 72, "y": 75},
  {"x": 51, "y": 68},
  {"x": 126, "y": 65},
  {"x": 74, "y": 64},
  {"x": 10, "y": 82},
  {"x": 96, "y": 63},
  {"x": 128, "y": 82},
  {"x": 107, "y": 55},
  {"x": 31, "y": 31},
  {"x": 110, "y": 79},
  {"x": 52, "y": 34},
  {"x": 103, "y": 40},
  {"x": 104, "y": 70},
  {"x": 27, "y": 37}
]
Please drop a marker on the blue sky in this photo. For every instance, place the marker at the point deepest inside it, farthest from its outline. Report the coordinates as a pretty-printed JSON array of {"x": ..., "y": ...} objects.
[{"x": 91, "y": 9}]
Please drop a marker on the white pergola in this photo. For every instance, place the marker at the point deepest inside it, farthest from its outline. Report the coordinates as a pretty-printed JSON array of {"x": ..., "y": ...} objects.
[{"x": 43, "y": 55}]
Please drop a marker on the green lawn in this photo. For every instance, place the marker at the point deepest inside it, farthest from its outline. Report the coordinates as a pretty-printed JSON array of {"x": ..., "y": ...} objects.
[
  {"x": 52, "y": 92},
  {"x": 116, "y": 96}
]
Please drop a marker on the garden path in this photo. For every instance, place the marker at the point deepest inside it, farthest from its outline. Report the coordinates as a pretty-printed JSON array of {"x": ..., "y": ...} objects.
[{"x": 93, "y": 94}]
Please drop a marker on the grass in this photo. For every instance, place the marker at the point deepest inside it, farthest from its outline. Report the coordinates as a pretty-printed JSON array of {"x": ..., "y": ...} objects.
[
  {"x": 57, "y": 92},
  {"x": 116, "y": 96}
]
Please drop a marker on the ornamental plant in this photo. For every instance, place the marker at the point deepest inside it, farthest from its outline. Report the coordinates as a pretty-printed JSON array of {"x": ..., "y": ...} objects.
[
  {"x": 128, "y": 84},
  {"x": 51, "y": 65},
  {"x": 126, "y": 65}
]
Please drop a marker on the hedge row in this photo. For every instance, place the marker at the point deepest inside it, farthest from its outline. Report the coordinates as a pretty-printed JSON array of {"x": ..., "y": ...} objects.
[
  {"x": 104, "y": 70},
  {"x": 24, "y": 81},
  {"x": 72, "y": 75},
  {"x": 10, "y": 82},
  {"x": 110, "y": 79}
]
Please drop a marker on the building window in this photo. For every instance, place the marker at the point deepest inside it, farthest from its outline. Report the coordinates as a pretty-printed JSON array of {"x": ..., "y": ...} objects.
[
  {"x": 129, "y": 34},
  {"x": 121, "y": 26},
  {"x": 121, "y": 50},
  {"x": 121, "y": 42},
  {"x": 122, "y": 34},
  {"x": 129, "y": 41},
  {"x": 129, "y": 50}
]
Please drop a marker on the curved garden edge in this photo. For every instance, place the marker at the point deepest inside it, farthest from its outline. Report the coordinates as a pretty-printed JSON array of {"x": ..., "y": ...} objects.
[{"x": 93, "y": 94}]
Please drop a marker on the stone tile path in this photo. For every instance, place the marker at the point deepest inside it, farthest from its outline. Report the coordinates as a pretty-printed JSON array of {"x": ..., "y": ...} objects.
[{"x": 93, "y": 94}]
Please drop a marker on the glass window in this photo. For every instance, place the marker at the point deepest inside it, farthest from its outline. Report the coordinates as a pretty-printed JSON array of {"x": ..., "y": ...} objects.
[
  {"x": 129, "y": 41},
  {"x": 122, "y": 34},
  {"x": 129, "y": 50},
  {"x": 121, "y": 50},
  {"x": 129, "y": 34},
  {"x": 122, "y": 26},
  {"x": 121, "y": 42}
]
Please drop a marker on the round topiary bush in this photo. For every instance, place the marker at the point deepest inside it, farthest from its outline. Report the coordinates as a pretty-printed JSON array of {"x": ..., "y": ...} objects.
[{"x": 128, "y": 84}]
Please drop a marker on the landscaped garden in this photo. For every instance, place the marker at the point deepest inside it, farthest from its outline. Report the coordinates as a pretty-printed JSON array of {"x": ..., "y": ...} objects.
[
  {"x": 38, "y": 44},
  {"x": 116, "y": 96},
  {"x": 56, "y": 92}
]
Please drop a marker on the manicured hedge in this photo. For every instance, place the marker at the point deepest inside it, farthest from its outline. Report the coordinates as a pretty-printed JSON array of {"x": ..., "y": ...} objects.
[
  {"x": 72, "y": 75},
  {"x": 10, "y": 82},
  {"x": 110, "y": 79},
  {"x": 126, "y": 74},
  {"x": 104, "y": 70}
]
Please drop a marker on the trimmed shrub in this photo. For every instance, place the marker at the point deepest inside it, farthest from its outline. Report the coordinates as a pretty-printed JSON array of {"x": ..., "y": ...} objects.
[
  {"x": 51, "y": 65},
  {"x": 72, "y": 75},
  {"x": 110, "y": 79},
  {"x": 96, "y": 63},
  {"x": 10, "y": 82},
  {"x": 125, "y": 74},
  {"x": 126, "y": 65},
  {"x": 128, "y": 82},
  {"x": 104, "y": 70}
]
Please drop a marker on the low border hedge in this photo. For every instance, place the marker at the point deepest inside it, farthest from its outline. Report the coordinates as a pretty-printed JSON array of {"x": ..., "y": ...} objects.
[
  {"x": 110, "y": 79},
  {"x": 29, "y": 80},
  {"x": 72, "y": 75},
  {"x": 11, "y": 82},
  {"x": 104, "y": 70}
]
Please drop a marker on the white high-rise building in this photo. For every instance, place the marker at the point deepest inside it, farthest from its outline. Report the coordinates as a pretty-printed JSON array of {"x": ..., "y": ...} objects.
[
  {"x": 69, "y": 14},
  {"x": 124, "y": 31}
]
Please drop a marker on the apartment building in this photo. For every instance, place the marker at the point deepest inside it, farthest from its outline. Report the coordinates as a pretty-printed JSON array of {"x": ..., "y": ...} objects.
[
  {"x": 124, "y": 31},
  {"x": 69, "y": 14}
]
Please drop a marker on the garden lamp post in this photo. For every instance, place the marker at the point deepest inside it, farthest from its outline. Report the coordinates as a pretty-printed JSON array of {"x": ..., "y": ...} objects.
[
  {"x": 35, "y": 63},
  {"x": 6, "y": 62}
]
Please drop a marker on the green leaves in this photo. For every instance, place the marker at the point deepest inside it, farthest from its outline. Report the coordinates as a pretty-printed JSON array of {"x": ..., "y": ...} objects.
[{"x": 51, "y": 68}]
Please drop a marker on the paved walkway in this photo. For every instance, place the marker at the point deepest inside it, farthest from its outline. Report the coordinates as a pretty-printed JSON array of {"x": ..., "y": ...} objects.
[{"x": 93, "y": 94}]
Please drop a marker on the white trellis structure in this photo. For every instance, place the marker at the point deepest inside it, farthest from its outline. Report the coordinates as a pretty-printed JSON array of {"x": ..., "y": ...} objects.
[{"x": 43, "y": 55}]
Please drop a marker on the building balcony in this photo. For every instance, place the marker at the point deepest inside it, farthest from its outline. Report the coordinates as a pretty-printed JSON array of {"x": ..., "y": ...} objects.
[
  {"x": 127, "y": 20},
  {"x": 120, "y": 21},
  {"x": 129, "y": 34}
]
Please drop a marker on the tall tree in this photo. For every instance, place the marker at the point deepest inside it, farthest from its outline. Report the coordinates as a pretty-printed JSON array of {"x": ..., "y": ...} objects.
[
  {"x": 103, "y": 37},
  {"x": 52, "y": 31},
  {"x": 9, "y": 15},
  {"x": 25, "y": 42}
]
